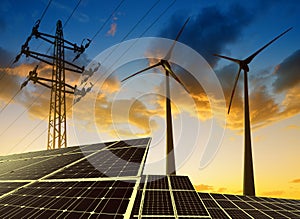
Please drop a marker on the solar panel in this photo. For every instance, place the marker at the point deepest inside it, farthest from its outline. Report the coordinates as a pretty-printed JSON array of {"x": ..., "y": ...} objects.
[
  {"x": 67, "y": 183},
  {"x": 105, "y": 181},
  {"x": 99, "y": 198},
  {"x": 6, "y": 187},
  {"x": 168, "y": 197},
  {"x": 113, "y": 162},
  {"x": 157, "y": 203}
]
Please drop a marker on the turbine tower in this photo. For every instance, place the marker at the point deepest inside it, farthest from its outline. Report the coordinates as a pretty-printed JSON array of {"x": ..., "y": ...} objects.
[
  {"x": 249, "y": 188},
  {"x": 170, "y": 159}
]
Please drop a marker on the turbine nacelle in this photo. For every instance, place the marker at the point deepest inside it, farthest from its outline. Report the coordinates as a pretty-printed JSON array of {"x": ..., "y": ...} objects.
[{"x": 244, "y": 64}]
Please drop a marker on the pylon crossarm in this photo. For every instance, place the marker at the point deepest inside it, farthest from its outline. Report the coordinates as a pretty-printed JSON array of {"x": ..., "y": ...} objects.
[
  {"x": 41, "y": 80},
  {"x": 38, "y": 56}
]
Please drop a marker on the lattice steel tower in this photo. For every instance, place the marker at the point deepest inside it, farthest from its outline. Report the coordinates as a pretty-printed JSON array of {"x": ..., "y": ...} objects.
[
  {"x": 57, "y": 137},
  {"x": 57, "y": 116}
]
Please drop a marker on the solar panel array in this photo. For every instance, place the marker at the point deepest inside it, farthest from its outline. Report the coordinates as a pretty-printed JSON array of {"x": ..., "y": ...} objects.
[
  {"x": 175, "y": 197},
  {"x": 105, "y": 181},
  {"x": 237, "y": 206},
  {"x": 168, "y": 197},
  {"x": 91, "y": 181}
]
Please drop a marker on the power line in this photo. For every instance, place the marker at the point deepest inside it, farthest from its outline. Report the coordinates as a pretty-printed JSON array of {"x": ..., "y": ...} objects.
[
  {"x": 26, "y": 109},
  {"x": 142, "y": 34},
  {"x": 66, "y": 22},
  {"x": 45, "y": 10},
  {"x": 106, "y": 21},
  {"x": 132, "y": 29},
  {"x": 47, "y": 52},
  {"x": 9, "y": 101},
  {"x": 12, "y": 61}
]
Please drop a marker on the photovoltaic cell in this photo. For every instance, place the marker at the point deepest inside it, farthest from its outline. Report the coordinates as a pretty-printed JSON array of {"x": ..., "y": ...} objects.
[
  {"x": 100, "y": 180},
  {"x": 70, "y": 196},
  {"x": 106, "y": 163},
  {"x": 232, "y": 197},
  {"x": 97, "y": 198},
  {"x": 157, "y": 182},
  {"x": 274, "y": 214},
  {"x": 157, "y": 203},
  {"x": 256, "y": 214},
  {"x": 9, "y": 186},
  {"x": 236, "y": 213},
  {"x": 204, "y": 195},
  {"x": 181, "y": 183},
  {"x": 217, "y": 213},
  {"x": 209, "y": 203},
  {"x": 42, "y": 167},
  {"x": 243, "y": 205},
  {"x": 188, "y": 203},
  {"x": 289, "y": 214},
  {"x": 258, "y": 205},
  {"x": 226, "y": 204}
]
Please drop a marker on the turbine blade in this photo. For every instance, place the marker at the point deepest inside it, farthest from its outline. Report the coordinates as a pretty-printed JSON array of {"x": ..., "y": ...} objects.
[
  {"x": 168, "y": 56},
  {"x": 177, "y": 79},
  {"x": 251, "y": 57},
  {"x": 234, "y": 87},
  {"x": 228, "y": 58},
  {"x": 141, "y": 71}
]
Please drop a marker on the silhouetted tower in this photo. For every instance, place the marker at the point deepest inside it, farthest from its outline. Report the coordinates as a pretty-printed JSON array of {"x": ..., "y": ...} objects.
[
  {"x": 249, "y": 186},
  {"x": 57, "y": 114},
  {"x": 164, "y": 63},
  {"x": 57, "y": 137}
]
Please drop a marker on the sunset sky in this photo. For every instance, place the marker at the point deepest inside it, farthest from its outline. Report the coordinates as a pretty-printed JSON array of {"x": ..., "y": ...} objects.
[{"x": 136, "y": 108}]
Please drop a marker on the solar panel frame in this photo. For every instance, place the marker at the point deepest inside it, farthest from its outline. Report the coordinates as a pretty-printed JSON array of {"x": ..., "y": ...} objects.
[
  {"x": 22, "y": 197},
  {"x": 34, "y": 195}
]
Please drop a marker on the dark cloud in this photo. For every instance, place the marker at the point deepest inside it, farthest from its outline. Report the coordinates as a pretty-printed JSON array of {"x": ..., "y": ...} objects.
[
  {"x": 288, "y": 73},
  {"x": 261, "y": 94},
  {"x": 2, "y": 24},
  {"x": 211, "y": 30}
]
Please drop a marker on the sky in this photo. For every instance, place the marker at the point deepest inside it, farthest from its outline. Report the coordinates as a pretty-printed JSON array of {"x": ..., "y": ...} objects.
[{"x": 118, "y": 110}]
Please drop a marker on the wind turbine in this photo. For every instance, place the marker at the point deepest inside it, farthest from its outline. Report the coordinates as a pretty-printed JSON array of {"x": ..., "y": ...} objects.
[
  {"x": 249, "y": 188},
  {"x": 170, "y": 159}
]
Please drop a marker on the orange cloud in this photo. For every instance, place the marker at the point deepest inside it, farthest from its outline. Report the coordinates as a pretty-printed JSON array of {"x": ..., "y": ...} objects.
[
  {"x": 113, "y": 29},
  {"x": 273, "y": 193},
  {"x": 221, "y": 190},
  {"x": 295, "y": 181},
  {"x": 203, "y": 187},
  {"x": 292, "y": 127}
]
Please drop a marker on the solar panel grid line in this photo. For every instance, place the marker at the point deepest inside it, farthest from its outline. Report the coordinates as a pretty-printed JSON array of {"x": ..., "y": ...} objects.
[
  {"x": 96, "y": 179},
  {"x": 16, "y": 189},
  {"x": 172, "y": 197},
  {"x": 143, "y": 197},
  {"x": 60, "y": 211},
  {"x": 15, "y": 181},
  {"x": 37, "y": 154},
  {"x": 289, "y": 214},
  {"x": 140, "y": 172},
  {"x": 238, "y": 207},
  {"x": 71, "y": 164},
  {"x": 35, "y": 161},
  {"x": 217, "y": 204},
  {"x": 257, "y": 214},
  {"x": 275, "y": 214},
  {"x": 205, "y": 196},
  {"x": 265, "y": 211},
  {"x": 33, "y": 181},
  {"x": 132, "y": 199}
]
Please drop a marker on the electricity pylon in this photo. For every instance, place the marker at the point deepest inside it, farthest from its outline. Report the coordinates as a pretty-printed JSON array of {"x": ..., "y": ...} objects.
[{"x": 57, "y": 137}]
